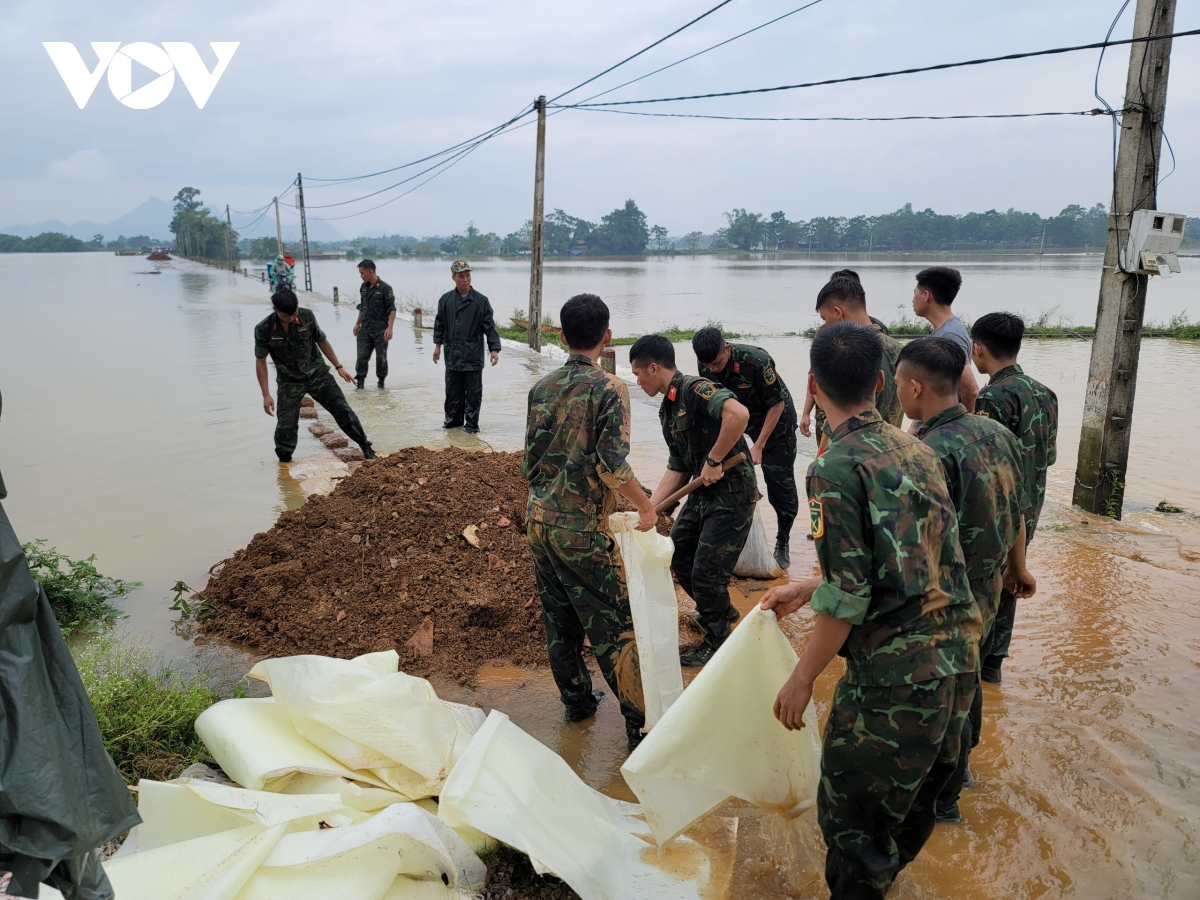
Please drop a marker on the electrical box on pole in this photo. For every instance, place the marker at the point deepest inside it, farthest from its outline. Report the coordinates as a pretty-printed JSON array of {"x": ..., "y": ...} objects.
[{"x": 1136, "y": 248}]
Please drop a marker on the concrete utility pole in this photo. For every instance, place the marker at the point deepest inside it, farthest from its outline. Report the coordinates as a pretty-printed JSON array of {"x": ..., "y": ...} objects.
[
  {"x": 278, "y": 228},
  {"x": 303, "y": 233},
  {"x": 229, "y": 239},
  {"x": 535, "y": 259},
  {"x": 1112, "y": 375}
]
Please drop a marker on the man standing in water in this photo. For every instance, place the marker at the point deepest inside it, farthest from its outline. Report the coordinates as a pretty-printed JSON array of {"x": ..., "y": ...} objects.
[
  {"x": 292, "y": 337},
  {"x": 703, "y": 426},
  {"x": 893, "y": 599},
  {"x": 376, "y": 316},
  {"x": 749, "y": 372},
  {"x": 464, "y": 319},
  {"x": 576, "y": 445}
]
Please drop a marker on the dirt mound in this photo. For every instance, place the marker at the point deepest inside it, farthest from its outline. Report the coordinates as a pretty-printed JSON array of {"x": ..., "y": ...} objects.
[{"x": 361, "y": 569}]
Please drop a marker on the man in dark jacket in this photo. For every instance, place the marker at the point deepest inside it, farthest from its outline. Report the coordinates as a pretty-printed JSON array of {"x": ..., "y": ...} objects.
[{"x": 464, "y": 319}]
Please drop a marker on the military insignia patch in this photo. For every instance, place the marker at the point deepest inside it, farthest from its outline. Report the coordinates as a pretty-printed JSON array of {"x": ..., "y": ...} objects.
[
  {"x": 672, "y": 394},
  {"x": 769, "y": 375},
  {"x": 706, "y": 391},
  {"x": 737, "y": 368},
  {"x": 816, "y": 512},
  {"x": 980, "y": 412}
]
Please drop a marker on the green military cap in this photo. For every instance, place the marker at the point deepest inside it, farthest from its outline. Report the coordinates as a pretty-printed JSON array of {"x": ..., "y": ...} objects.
[{"x": 459, "y": 265}]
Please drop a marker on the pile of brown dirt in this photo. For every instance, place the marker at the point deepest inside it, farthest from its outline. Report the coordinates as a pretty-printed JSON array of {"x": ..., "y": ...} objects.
[{"x": 382, "y": 562}]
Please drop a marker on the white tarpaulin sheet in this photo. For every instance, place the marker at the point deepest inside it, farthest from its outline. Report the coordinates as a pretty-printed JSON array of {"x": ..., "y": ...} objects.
[
  {"x": 721, "y": 738},
  {"x": 647, "y": 559}
]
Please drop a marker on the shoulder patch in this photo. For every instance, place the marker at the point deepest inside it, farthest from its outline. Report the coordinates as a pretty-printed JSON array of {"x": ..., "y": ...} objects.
[
  {"x": 769, "y": 374},
  {"x": 706, "y": 390},
  {"x": 672, "y": 393},
  {"x": 816, "y": 512},
  {"x": 737, "y": 368}
]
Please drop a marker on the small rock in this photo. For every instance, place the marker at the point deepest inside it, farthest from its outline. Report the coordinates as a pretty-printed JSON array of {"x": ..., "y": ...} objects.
[
  {"x": 333, "y": 440},
  {"x": 503, "y": 522},
  {"x": 394, "y": 561},
  {"x": 341, "y": 614},
  {"x": 357, "y": 538},
  {"x": 308, "y": 412}
]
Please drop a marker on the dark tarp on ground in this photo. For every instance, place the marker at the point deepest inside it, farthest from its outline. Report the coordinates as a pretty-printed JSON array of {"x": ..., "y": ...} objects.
[{"x": 61, "y": 797}]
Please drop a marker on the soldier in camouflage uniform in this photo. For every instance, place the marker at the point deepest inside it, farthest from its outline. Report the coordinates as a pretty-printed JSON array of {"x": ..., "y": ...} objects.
[
  {"x": 749, "y": 372},
  {"x": 983, "y": 473},
  {"x": 1029, "y": 410},
  {"x": 843, "y": 299},
  {"x": 376, "y": 315},
  {"x": 703, "y": 426},
  {"x": 893, "y": 599},
  {"x": 576, "y": 446},
  {"x": 291, "y": 337}
]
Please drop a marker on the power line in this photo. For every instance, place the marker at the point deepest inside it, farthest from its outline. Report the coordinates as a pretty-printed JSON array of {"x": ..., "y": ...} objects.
[
  {"x": 705, "y": 50},
  {"x": 956, "y": 65},
  {"x": 643, "y": 50},
  {"x": 1033, "y": 115},
  {"x": 287, "y": 190}
]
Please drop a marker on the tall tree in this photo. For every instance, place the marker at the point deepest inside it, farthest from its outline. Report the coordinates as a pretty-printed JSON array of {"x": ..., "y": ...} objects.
[{"x": 623, "y": 231}]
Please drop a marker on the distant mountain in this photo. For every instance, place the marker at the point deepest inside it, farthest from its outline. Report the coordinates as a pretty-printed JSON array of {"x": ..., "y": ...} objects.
[{"x": 152, "y": 218}]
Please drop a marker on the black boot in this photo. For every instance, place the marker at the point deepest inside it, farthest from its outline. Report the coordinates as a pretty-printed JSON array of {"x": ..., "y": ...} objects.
[
  {"x": 359, "y": 383},
  {"x": 381, "y": 384},
  {"x": 581, "y": 711},
  {"x": 783, "y": 552},
  {"x": 368, "y": 451},
  {"x": 634, "y": 735}
]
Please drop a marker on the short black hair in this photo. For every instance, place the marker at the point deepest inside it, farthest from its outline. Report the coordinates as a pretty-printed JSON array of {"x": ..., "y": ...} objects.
[
  {"x": 707, "y": 344},
  {"x": 653, "y": 348},
  {"x": 848, "y": 290},
  {"x": 1000, "y": 332},
  {"x": 846, "y": 360},
  {"x": 367, "y": 264},
  {"x": 941, "y": 281},
  {"x": 846, "y": 273},
  {"x": 284, "y": 301},
  {"x": 584, "y": 320},
  {"x": 940, "y": 362}
]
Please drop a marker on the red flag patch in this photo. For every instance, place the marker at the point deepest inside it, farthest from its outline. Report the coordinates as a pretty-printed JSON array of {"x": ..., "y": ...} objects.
[{"x": 672, "y": 394}]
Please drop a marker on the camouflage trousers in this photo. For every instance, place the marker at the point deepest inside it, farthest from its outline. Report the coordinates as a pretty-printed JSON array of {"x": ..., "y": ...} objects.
[
  {"x": 709, "y": 535},
  {"x": 993, "y": 651},
  {"x": 324, "y": 390},
  {"x": 371, "y": 342},
  {"x": 888, "y": 751},
  {"x": 779, "y": 473},
  {"x": 581, "y": 582}
]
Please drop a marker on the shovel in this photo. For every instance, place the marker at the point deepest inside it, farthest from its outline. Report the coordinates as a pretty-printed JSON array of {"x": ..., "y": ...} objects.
[{"x": 695, "y": 483}]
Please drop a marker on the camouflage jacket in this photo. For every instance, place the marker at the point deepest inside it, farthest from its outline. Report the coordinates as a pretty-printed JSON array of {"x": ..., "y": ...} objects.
[
  {"x": 750, "y": 375},
  {"x": 1029, "y": 410},
  {"x": 691, "y": 421},
  {"x": 576, "y": 442},
  {"x": 886, "y": 401},
  {"x": 984, "y": 477},
  {"x": 293, "y": 348},
  {"x": 376, "y": 302},
  {"x": 887, "y": 542}
]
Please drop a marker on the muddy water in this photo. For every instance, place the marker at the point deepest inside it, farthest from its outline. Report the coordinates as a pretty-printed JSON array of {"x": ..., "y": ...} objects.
[{"x": 132, "y": 428}]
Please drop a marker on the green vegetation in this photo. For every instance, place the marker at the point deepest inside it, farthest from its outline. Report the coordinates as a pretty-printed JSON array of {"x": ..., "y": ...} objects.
[
  {"x": 1165, "y": 507},
  {"x": 80, "y": 596},
  {"x": 1116, "y": 493},
  {"x": 1057, "y": 526},
  {"x": 198, "y": 233},
  {"x": 47, "y": 242},
  {"x": 672, "y": 332},
  {"x": 191, "y": 605},
  {"x": 146, "y": 710}
]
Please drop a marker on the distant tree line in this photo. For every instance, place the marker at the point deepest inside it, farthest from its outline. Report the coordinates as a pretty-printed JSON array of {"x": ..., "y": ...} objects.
[{"x": 199, "y": 233}]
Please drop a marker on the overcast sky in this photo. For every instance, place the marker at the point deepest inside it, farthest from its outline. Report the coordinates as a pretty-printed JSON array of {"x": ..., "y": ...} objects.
[{"x": 346, "y": 88}]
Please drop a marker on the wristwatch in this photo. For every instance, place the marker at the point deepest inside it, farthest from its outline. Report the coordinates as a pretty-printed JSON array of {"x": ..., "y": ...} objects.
[{"x": 709, "y": 461}]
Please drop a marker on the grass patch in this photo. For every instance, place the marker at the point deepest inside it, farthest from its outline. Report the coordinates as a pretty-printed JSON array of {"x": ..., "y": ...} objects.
[
  {"x": 516, "y": 333},
  {"x": 678, "y": 335},
  {"x": 1165, "y": 507},
  {"x": 1056, "y": 526},
  {"x": 146, "y": 709},
  {"x": 79, "y": 594}
]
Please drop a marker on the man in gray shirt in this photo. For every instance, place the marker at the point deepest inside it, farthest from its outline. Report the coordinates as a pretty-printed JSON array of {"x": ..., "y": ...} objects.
[{"x": 936, "y": 289}]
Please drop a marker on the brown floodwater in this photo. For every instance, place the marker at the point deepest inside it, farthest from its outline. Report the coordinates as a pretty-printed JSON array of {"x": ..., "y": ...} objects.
[{"x": 132, "y": 428}]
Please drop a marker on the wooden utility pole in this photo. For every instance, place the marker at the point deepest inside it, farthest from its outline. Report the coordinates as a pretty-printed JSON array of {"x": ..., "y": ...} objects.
[
  {"x": 303, "y": 233},
  {"x": 229, "y": 239},
  {"x": 535, "y": 258},
  {"x": 278, "y": 228},
  {"x": 1112, "y": 375}
]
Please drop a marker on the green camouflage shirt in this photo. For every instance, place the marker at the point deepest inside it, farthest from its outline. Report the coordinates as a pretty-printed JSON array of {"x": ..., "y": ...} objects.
[
  {"x": 984, "y": 477},
  {"x": 293, "y": 348},
  {"x": 691, "y": 421},
  {"x": 1029, "y": 410},
  {"x": 887, "y": 542},
  {"x": 887, "y": 401},
  {"x": 751, "y": 376},
  {"x": 576, "y": 443},
  {"x": 376, "y": 302}
]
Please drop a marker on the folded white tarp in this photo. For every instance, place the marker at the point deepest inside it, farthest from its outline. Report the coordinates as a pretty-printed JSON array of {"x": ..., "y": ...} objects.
[
  {"x": 515, "y": 789},
  {"x": 721, "y": 738},
  {"x": 647, "y": 559},
  {"x": 358, "y": 719}
]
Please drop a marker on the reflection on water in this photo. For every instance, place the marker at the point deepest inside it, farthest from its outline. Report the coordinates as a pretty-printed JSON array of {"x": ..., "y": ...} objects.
[{"x": 133, "y": 429}]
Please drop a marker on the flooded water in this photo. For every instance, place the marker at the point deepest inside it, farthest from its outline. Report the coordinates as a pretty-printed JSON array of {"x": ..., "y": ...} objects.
[{"x": 133, "y": 429}]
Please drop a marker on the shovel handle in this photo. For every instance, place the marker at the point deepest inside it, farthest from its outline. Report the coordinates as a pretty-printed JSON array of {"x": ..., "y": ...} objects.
[{"x": 695, "y": 483}]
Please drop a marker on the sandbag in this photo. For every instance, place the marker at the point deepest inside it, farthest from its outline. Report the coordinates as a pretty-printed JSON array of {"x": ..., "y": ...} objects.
[
  {"x": 646, "y": 556},
  {"x": 515, "y": 789},
  {"x": 721, "y": 738},
  {"x": 758, "y": 556}
]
